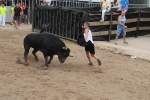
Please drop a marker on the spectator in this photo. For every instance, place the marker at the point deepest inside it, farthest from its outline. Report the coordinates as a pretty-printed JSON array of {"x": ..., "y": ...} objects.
[
  {"x": 21, "y": 14},
  {"x": 121, "y": 27},
  {"x": 3, "y": 11},
  {"x": 25, "y": 15},
  {"x": 48, "y": 2},
  {"x": 105, "y": 8},
  {"x": 16, "y": 17},
  {"x": 2, "y": 2},
  {"x": 116, "y": 4},
  {"x": 124, "y": 5},
  {"x": 52, "y": 5},
  {"x": 45, "y": 3},
  {"x": 23, "y": 6},
  {"x": 12, "y": 11}
]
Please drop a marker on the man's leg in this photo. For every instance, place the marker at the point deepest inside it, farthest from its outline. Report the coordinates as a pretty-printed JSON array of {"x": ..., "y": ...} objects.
[
  {"x": 88, "y": 56},
  {"x": 124, "y": 35},
  {"x": 94, "y": 56},
  {"x": 3, "y": 21},
  {"x": 103, "y": 15}
]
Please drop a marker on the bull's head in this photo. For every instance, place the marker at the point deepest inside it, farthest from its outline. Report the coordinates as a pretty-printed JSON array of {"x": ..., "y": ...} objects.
[{"x": 63, "y": 54}]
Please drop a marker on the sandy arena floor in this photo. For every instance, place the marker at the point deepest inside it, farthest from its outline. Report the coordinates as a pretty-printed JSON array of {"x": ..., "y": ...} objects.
[{"x": 119, "y": 77}]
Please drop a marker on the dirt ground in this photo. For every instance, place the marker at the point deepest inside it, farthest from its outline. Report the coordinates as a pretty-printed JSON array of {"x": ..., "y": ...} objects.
[{"x": 118, "y": 78}]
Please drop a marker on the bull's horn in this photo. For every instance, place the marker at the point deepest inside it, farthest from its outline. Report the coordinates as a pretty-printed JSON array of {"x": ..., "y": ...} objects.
[{"x": 65, "y": 48}]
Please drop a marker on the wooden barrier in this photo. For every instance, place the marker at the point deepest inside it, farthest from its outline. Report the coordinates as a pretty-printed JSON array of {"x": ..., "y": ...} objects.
[{"x": 68, "y": 22}]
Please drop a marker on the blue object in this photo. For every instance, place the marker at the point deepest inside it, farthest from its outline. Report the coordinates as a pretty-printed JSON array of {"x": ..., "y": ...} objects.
[{"x": 124, "y": 3}]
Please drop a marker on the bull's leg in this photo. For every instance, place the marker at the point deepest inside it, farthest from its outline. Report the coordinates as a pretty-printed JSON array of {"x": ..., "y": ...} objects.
[
  {"x": 51, "y": 57},
  {"x": 46, "y": 61},
  {"x": 34, "y": 53},
  {"x": 45, "y": 57},
  {"x": 27, "y": 48}
]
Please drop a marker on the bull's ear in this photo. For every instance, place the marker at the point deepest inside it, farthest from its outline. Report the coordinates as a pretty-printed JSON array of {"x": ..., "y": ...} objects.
[{"x": 64, "y": 48}]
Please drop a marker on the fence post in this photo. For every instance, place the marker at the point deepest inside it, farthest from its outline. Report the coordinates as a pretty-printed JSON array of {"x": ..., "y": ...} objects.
[
  {"x": 33, "y": 18},
  {"x": 110, "y": 23},
  {"x": 67, "y": 23},
  {"x": 137, "y": 28}
]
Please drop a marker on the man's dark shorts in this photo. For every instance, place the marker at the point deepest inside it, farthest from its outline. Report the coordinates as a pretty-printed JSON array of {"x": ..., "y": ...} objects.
[
  {"x": 16, "y": 18},
  {"x": 90, "y": 48}
]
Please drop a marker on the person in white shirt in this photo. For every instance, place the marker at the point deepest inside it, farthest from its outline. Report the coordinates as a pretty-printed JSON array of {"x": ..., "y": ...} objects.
[
  {"x": 48, "y": 2},
  {"x": 89, "y": 49}
]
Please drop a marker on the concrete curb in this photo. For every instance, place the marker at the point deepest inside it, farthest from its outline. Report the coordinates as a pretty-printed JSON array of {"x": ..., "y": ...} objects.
[{"x": 125, "y": 50}]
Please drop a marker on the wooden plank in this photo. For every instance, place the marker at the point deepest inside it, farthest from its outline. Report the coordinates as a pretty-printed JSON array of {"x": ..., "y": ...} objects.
[
  {"x": 98, "y": 23},
  {"x": 142, "y": 11},
  {"x": 100, "y": 33},
  {"x": 114, "y": 13},
  {"x": 144, "y": 19},
  {"x": 144, "y": 28},
  {"x": 98, "y": 14},
  {"x": 127, "y": 30},
  {"x": 127, "y": 21}
]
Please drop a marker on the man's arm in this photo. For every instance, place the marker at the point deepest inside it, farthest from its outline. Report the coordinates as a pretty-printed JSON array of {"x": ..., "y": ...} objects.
[{"x": 86, "y": 34}]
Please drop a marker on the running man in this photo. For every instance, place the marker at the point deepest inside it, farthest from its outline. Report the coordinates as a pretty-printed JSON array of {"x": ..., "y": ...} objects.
[{"x": 89, "y": 49}]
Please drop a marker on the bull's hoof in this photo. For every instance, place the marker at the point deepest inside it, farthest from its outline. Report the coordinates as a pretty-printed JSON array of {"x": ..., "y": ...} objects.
[
  {"x": 26, "y": 64},
  {"x": 46, "y": 68}
]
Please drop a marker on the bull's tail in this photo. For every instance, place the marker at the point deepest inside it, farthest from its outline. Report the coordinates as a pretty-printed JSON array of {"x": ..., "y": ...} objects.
[{"x": 44, "y": 27}]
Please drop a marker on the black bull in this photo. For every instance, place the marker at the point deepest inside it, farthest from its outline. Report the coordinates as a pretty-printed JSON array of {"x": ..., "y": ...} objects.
[{"x": 48, "y": 44}]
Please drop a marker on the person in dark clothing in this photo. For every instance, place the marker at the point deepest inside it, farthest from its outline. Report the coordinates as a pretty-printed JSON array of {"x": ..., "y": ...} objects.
[
  {"x": 16, "y": 17},
  {"x": 26, "y": 13},
  {"x": 2, "y": 2}
]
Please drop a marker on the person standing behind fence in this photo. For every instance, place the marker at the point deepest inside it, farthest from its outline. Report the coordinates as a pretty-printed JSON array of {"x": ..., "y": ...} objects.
[
  {"x": 16, "y": 17},
  {"x": 89, "y": 49},
  {"x": 124, "y": 5},
  {"x": 25, "y": 15},
  {"x": 12, "y": 11},
  {"x": 121, "y": 28},
  {"x": 48, "y": 2},
  {"x": 116, "y": 4},
  {"x": 106, "y": 6},
  {"x": 21, "y": 14},
  {"x": 3, "y": 11}
]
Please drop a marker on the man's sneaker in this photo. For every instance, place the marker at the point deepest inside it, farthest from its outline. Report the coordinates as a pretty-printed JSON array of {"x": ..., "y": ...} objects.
[
  {"x": 115, "y": 43},
  {"x": 101, "y": 20},
  {"x": 90, "y": 64},
  {"x": 16, "y": 27},
  {"x": 99, "y": 62},
  {"x": 125, "y": 42}
]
